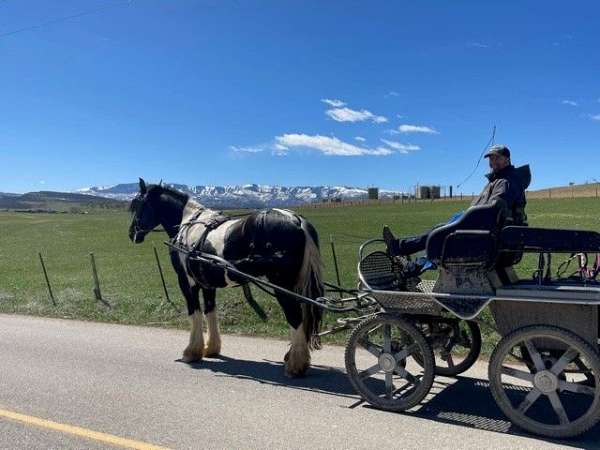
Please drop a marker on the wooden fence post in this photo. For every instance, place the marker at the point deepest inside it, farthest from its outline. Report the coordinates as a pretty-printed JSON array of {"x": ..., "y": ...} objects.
[
  {"x": 97, "y": 292},
  {"x": 335, "y": 263},
  {"x": 47, "y": 280}
]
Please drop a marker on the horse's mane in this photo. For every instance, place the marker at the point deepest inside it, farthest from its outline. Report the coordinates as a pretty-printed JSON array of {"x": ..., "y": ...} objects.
[
  {"x": 181, "y": 196},
  {"x": 176, "y": 194}
]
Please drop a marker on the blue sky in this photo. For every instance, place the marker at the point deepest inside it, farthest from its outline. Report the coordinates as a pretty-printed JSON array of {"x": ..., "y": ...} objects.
[{"x": 297, "y": 93}]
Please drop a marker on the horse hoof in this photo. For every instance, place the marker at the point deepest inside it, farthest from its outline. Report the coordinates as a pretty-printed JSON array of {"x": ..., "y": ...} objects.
[
  {"x": 211, "y": 352},
  {"x": 190, "y": 356},
  {"x": 295, "y": 369},
  {"x": 295, "y": 372}
]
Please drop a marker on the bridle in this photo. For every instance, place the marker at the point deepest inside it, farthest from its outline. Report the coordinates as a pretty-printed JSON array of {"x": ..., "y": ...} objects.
[{"x": 136, "y": 221}]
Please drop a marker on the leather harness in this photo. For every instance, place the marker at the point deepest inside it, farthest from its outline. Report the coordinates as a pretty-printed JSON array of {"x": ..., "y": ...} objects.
[{"x": 209, "y": 224}]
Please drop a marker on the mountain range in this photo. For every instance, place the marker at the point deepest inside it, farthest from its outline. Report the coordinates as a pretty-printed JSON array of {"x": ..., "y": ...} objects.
[{"x": 245, "y": 196}]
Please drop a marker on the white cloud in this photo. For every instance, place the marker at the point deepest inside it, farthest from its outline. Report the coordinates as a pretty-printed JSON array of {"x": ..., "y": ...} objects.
[
  {"x": 351, "y": 115},
  {"x": 279, "y": 149},
  {"x": 42, "y": 181},
  {"x": 329, "y": 145},
  {"x": 399, "y": 116},
  {"x": 333, "y": 102},
  {"x": 569, "y": 102},
  {"x": 416, "y": 129},
  {"x": 595, "y": 117},
  {"x": 246, "y": 149},
  {"x": 402, "y": 148},
  {"x": 392, "y": 94},
  {"x": 360, "y": 139}
]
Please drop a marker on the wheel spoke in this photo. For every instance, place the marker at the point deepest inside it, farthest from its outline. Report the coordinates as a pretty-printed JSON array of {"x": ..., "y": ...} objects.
[
  {"x": 373, "y": 349},
  {"x": 403, "y": 373},
  {"x": 520, "y": 374},
  {"x": 517, "y": 358},
  {"x": 389, "y": 384},
  {"x": 582, "y": 368},
  {"x": 576, "y": 387},
  {"x": 564, "y": 361},
  {"x": 368, "y": 372},
  {"x": 558, "y": 408},
  {"x": 403, "y": 354},
  {"x": 529, "y": 400},
  {"x": 387, "y": 338},
  {"x": 450, "y": 361},
  {"x": 535, "y": 356}
]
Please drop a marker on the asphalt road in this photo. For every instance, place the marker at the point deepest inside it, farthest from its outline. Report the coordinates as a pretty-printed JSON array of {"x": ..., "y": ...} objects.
[{"x": 121, "y": 382}]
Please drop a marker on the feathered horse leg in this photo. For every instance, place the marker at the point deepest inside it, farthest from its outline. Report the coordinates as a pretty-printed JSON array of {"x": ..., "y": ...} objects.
[
  {"x": 195, "y": 349},
  {"x": 213, "y": 346},
  {"x": 304, "y": 320}
]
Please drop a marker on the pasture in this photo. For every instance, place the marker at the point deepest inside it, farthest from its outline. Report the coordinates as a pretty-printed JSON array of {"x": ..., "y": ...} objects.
[{"x": 129, "y": 277}]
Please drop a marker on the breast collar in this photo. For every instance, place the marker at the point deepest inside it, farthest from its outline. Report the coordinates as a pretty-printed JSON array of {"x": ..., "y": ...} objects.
[{"x": 211, "y": 223}]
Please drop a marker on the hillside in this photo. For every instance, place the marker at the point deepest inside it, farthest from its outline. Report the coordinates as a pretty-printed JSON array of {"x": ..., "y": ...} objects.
[
  {"x": 57, "y": 201},
  {"x": 575, "y": 191}
]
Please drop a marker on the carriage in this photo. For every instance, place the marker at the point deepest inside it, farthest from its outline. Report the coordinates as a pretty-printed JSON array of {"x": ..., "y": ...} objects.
[{"x": 544, "y": 373}]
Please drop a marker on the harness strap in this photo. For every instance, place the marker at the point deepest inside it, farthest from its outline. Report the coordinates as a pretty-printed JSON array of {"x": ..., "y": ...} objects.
[{"x": 209, "y": 225}]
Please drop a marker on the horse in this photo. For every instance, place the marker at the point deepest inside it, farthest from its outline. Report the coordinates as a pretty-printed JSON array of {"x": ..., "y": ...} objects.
[{"x": 276, "y": 244}]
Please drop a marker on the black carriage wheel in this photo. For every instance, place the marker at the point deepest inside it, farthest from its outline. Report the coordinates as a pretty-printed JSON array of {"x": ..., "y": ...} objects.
[
  {"x": 380, "y": 363},
  {"x": 554, "y": 388},
  {"x": 448, "y": 363}
]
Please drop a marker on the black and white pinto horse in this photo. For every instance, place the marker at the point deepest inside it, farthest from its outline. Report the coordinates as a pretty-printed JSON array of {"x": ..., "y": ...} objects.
[{"x": 277, "y": 244}]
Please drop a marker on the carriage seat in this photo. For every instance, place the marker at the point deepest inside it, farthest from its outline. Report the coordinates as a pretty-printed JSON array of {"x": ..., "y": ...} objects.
[
  {"x": 470, "y": 241},
  {"x": 526, "y": 239}
]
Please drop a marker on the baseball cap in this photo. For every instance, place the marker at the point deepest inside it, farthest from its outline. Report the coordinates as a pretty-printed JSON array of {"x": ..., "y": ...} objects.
[{"x": 498, "y": 150}]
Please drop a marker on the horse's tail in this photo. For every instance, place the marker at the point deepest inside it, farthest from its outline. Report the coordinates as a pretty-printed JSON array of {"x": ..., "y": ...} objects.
[{"x": 310, "y": 284}]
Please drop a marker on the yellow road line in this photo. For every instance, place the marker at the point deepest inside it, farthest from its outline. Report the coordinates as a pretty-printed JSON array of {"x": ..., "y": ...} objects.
[{"x": 78, "y": 431}]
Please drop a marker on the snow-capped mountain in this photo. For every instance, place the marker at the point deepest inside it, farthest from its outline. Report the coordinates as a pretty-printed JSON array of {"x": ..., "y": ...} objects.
[{"x": 245, "y": 196}]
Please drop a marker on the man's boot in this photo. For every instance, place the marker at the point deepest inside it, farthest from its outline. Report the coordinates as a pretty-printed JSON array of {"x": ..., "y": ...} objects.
[{"x": 391, "y": 242}]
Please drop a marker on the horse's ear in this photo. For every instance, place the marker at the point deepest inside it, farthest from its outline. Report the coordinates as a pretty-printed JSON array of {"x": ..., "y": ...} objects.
[{"x": 142, "y": 186}]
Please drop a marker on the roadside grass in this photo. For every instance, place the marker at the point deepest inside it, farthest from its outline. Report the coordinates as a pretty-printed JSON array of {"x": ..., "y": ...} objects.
[{"x": 129, "y": 276}]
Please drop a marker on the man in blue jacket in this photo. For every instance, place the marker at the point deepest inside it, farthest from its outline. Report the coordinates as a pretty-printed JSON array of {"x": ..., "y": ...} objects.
[{"x": 506, "y": 185}]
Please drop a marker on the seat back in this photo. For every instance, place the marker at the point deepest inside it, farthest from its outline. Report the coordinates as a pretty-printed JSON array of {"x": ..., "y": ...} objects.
[
  {"x": 447, "y": 242},
  {"x": 469, "y": 249}
]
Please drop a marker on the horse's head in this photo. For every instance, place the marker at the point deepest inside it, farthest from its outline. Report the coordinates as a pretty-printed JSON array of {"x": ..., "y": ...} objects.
[{"x": 144, "y": 208}]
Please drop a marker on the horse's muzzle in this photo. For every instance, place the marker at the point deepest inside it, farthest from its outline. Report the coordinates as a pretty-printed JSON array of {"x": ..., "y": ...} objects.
[{"x": 137, "y": 237}]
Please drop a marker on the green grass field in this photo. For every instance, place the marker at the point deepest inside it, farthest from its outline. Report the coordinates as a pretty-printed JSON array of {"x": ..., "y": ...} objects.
[{"x": 129, "y": 277}]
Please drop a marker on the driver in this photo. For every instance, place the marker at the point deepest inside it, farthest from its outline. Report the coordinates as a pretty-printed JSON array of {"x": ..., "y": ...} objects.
[{"x": 506, "y": 183}]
